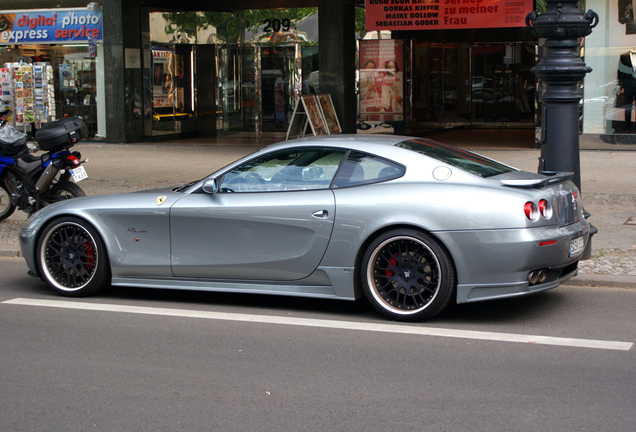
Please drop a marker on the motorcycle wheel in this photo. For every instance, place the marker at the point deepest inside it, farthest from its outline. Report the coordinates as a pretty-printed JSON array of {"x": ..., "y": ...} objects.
[
  {"x": 6, "y": 206},
  {"x": 64, "y": 190}
]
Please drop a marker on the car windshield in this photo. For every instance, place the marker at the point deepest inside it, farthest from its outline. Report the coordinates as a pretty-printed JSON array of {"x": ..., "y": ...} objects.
[{"x": 463, "y": 159}]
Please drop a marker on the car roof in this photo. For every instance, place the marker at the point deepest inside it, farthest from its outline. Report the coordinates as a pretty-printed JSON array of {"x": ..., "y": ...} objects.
[{"x": 357, "y": 142}]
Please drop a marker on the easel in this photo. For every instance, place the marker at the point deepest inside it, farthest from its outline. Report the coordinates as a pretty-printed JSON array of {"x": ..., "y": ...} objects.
[{"x": 309, "y": 111}]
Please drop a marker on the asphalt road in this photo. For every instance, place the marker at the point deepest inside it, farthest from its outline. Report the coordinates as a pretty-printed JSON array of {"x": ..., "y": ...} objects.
[{"x": 147, "y": 360}]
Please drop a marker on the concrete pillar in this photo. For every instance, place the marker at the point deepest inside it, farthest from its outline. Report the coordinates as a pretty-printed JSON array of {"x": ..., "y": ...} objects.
[
  {"x": 337, "y": 63},
  {"x": 114, "y": 70}
]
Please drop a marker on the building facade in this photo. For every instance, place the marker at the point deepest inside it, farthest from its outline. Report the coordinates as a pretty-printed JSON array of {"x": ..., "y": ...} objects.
[{"x": 140, "y": 71}]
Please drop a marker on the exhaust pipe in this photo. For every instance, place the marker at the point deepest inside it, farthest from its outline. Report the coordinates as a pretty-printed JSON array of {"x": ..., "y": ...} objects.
[
  {"x": 45, "y": 179},
  {"x": 537, "y": 276}
]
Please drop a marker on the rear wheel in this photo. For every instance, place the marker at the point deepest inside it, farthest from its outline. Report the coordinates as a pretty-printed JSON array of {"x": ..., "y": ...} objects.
[
  {"x": 407, "y": 275},
  {"x": 6, "y": 206},
  {"x": 61, "y": 191},
  {"x": 72, "y": 258},
  {"x": 66, "y": 190}
]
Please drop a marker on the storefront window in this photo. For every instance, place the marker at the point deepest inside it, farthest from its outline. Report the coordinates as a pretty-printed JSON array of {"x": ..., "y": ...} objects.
[
  {"x": 76, "y": 84},
  {"x": 258, "y": 68},
  {"x": 52, "y": 67},
  {"x": 609, "y": 92}
]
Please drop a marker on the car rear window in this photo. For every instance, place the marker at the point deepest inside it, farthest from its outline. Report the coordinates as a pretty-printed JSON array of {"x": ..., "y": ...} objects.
[{"x": 463, "y": 159}]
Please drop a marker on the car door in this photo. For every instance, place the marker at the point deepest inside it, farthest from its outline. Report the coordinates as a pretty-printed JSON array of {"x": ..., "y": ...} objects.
[{"x": 270, "y": 220}]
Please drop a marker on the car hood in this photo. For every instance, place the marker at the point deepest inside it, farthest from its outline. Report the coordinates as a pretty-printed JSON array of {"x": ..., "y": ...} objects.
[{"x": 161, "y": 198}]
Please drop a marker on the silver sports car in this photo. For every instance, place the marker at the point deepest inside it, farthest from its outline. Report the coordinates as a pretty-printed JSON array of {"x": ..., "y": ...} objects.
[{"x": 409, "y": 223}]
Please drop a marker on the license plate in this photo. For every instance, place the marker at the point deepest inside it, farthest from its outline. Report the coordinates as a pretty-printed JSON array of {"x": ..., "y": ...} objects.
[
  {"x": 576, "y": 246},
  {"x": 78, "y": 174}
]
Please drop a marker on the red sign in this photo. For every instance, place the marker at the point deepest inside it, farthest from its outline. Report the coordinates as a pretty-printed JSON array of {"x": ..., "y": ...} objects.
[{"x": 445, "y": 14}]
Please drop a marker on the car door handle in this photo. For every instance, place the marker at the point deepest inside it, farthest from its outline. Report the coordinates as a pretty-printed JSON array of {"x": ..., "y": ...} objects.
[{"x": 320, "y": 214}]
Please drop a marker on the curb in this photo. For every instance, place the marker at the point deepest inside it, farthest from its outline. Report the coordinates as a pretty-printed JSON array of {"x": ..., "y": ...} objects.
[{"x": 603, "y": 280}]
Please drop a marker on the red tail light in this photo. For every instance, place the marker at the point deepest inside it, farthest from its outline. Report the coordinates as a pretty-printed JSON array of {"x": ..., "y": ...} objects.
[
  {"x": 74, "y": 160},
  {"x": 530, "y": 210},
  {"x": 544, "y": 209}
]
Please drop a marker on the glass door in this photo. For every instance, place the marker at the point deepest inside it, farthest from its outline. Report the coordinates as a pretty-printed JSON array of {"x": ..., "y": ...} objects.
[
  {"x": 239, "y": 72},
  {"x": 279, "y": 75},
  {"x": 440, "y": 83},
  {"x": 502, "y": 85},
  {"x": 173, "y": 89}
]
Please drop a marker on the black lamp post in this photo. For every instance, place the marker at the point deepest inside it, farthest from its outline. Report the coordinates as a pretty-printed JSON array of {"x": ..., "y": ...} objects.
[{"x": 561, "y": 68}]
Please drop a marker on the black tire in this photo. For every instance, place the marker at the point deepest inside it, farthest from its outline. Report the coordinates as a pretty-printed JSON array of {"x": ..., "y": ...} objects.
[
  {"x": 6, "y": 206},
  {"x": 72, "y": 258},
  {"x": 61, "y": 191},
  {"x": 66, "y": 190},
  {"x": 407, "y": 275}
]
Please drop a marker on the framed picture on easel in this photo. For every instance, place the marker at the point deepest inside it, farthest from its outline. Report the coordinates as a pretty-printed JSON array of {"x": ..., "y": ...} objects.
[
  {"x": 307, "y": 113},
  {"x": 314, "y": 114},
  {"x": 329, "y": 114}
]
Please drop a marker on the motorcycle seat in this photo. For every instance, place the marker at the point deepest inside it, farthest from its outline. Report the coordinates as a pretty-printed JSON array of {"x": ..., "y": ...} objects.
[{"x": 29, "y": 162}]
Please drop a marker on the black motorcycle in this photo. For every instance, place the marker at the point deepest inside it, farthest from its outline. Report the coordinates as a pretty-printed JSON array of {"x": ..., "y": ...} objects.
[{"x": 29, "y": 182}]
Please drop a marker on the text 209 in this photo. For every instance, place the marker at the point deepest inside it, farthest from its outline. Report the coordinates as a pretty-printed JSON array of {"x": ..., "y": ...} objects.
[{"x": 276, "y": 25}]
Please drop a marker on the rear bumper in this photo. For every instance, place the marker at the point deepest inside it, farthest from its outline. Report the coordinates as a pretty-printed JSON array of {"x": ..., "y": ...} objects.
[
  {"x": 494, "y": 264},
  {"x": 474, "y": 293}
]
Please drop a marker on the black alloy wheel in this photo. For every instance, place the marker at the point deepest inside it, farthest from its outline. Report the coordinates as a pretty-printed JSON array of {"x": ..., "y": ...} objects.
[
  {"x": 72, "y": 258},
  {"x": 407, "y": 275}
]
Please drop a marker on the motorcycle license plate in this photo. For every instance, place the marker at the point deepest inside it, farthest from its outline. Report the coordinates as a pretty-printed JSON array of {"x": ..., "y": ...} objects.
[
  {"x": 78, "y": 174},
  {"x": 576, "y": 246}
]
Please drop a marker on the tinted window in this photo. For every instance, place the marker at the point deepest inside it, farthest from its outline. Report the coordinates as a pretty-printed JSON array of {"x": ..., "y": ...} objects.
[
  {"x": 464, "y": 159},
  {"x": 360, "y": 168},
  {"x": 292, "y": 169}
]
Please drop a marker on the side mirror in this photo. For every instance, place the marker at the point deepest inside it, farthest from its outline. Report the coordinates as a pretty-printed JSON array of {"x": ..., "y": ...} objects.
[{"x": 210, "y": 186}]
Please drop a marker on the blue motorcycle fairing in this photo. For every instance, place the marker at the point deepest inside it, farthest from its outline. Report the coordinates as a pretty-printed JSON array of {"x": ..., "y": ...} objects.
[
  {"x": 4, "y": 161},
  {"x": 56, "y": 155}
]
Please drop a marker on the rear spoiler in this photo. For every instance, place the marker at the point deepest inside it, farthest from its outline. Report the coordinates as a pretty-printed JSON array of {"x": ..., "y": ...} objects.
[{"x": 551, "y": 177}]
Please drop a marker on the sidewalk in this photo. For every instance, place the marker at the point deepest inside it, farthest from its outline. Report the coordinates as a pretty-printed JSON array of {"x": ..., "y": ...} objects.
[{"x": 607, "y": 178}]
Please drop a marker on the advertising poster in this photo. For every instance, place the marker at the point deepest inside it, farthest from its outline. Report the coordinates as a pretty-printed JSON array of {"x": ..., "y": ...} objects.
[
  {"x": 445, "y": 14},
  {"x": 381, "y": 77},
  {"x": 45, "y": 27},
  {"x": 314, "y": 115},
  {"x": 329, "y": 113},
  {"x": 161, "y": 78}
]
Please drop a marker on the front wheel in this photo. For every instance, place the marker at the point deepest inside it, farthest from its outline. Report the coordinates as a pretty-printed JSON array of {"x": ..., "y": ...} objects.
[
  {"x": 407, "y": 275},
  {"x": 6, "y": 206},
  {"x": 72, "y": 257}
]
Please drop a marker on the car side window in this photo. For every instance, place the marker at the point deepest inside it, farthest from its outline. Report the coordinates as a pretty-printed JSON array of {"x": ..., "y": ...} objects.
[
  {"x": 286, "y": 170},
  {"x": 360, "y": 169}
]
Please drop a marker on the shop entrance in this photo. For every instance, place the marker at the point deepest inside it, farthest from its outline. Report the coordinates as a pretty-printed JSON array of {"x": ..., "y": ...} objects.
[
  {"x": 472, "y": 84},
  {"x": 173, "y": 92},
  {"x": 258, "y": 87}
]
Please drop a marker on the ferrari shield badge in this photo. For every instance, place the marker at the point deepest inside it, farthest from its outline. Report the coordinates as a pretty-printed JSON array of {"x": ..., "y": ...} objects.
[{"x": 161, "y": 199}]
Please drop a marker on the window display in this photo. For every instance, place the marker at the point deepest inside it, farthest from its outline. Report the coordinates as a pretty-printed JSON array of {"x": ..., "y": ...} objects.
[
  {"x": 609, "y": 91},
  {"x": 27, "y": 90}
]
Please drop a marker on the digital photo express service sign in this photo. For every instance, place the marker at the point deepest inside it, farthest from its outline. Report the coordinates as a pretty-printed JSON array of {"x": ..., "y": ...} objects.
[
  {"x": 445, "y": 14},
  {"x": 50, "y": 27}
]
